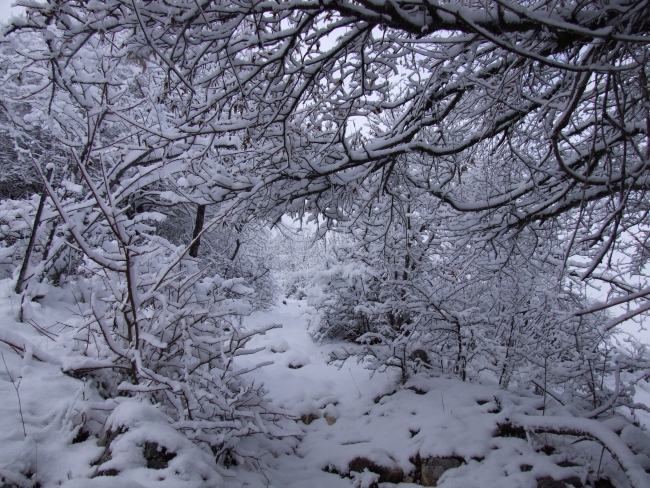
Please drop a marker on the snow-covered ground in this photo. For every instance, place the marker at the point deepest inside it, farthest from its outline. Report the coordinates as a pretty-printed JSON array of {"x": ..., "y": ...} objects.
[
  {"x": 376, "y": 418},
  {"x": 341, "y": 420}
]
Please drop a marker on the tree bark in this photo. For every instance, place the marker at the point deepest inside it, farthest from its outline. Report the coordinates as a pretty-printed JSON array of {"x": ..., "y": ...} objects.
[
  {"x": 198, "y": 227},
  {"x": 32, "y": 238}
]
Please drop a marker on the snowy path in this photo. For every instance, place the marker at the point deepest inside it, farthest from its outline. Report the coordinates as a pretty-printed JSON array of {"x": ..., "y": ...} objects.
[
  {"x": 301, "y": 382},
  {"x": 432, "y": 417},
  {"x": 300, "y": 371},
  {"x": 444, "y": 417}
]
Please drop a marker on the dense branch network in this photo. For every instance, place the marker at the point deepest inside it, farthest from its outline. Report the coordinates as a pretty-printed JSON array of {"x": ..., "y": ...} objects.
[{"x": 511, "y": 114}]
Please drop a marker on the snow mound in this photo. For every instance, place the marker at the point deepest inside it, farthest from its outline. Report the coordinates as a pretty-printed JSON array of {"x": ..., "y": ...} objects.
[
  {"x": 150, "y": 451},
  {"x": 297, "y": 360},
  {"x": 278, "y": 346}
]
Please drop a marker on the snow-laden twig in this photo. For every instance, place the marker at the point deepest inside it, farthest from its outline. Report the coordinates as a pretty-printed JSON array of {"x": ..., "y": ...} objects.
[{"x": 23, "y": 346}]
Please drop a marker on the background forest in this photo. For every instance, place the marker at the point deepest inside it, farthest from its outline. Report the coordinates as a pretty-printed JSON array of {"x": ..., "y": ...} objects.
[{"x": 453, "y": 189}]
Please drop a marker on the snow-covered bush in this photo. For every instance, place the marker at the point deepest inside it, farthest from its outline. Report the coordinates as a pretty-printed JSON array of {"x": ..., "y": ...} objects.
[
  {"x": 297, "y": 251},
  {"x": 174, "y": 338},
  {"x": 16, "y": 221},
  {"x": 409, "y": 297},
  {"x": 347, "y": 298},
  {"x": 50, "y": 258},
  {"x": 233, "y": 249},
  {"x": 153, "y": 322}
]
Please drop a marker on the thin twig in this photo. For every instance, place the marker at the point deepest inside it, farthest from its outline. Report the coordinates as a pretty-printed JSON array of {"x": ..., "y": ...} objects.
[
  {"x": 600, "y": 461},
  {"x": 355, "y": 382},
  {"x": 16, "y": 387}
]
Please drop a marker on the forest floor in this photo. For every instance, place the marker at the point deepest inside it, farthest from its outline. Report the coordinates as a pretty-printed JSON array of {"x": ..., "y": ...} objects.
[{"x": 342, "y": 420}]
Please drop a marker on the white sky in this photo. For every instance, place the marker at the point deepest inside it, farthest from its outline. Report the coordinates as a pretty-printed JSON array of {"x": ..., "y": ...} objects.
[{"x": 6, "y": 11}]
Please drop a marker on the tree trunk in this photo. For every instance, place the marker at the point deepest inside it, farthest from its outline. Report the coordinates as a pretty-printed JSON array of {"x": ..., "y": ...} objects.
[
  {"x": 32, "y": 239},
  {"x": 198, "y": 227}
]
